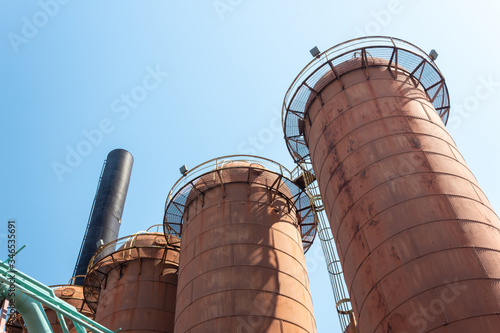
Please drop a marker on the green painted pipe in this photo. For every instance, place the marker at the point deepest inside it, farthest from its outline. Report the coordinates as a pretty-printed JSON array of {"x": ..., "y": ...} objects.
[
  {"x": 32, "y": 311},
  {"x": 40, "y": 294}
]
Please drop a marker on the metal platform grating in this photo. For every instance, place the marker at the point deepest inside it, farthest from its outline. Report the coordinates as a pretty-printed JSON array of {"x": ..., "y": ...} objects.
[
  {"x": 400, "y": 55},
  {"x": 258, "y": 170}
]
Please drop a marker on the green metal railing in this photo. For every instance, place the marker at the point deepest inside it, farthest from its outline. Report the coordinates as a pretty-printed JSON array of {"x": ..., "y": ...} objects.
[{"x": 30, "y": 296}]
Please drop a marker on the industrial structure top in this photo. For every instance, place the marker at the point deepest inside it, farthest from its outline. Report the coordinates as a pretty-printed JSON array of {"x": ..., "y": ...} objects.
[
  {"x": 401, "y": 56},
  {"x": 195, "y": 179}
]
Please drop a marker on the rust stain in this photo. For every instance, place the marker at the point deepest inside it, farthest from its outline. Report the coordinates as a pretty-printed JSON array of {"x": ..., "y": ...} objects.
[
  {"x": 248, "y": 273},
  {"x": 425, "y": 206}
]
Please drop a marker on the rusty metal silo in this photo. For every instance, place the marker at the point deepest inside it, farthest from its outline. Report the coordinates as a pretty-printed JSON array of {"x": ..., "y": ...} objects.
[
  {"x": 244, "y": 227},
  {"x": 418, "y": 240},
  {"x": 134, "y": 287},
  {"x": 72, "y": 294}
]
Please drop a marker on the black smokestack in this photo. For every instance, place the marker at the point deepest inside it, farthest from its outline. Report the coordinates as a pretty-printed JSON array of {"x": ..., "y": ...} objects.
[{"x": 105, "y": 220}]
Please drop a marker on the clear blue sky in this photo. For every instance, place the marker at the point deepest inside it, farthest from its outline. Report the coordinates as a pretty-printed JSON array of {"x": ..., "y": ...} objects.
[{"x": 220, "y": 72}]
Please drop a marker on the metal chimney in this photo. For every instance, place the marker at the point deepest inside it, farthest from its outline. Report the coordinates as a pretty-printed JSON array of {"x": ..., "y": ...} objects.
[{"x": 107, "y": 209}]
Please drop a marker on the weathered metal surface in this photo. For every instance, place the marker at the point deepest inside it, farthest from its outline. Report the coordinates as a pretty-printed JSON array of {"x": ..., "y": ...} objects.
[
  {"x": 138, "y": 284},
  {"x": 73, "y": 295},
  {"x": 15, "y": 324},
  {"x": 276, "y": 177},
  {"x": 242, "y": 267},
  {"x": 332, "y": 65},
  {"x": 418, "y": 239}
]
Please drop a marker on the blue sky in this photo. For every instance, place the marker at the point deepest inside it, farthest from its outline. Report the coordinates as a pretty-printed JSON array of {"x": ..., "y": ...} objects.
[{"x": 207, "y": 78}]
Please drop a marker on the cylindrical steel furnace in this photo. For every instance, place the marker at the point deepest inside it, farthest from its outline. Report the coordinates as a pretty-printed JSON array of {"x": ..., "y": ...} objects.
[
  {"x": 72, "y": 294},
  {"x": 242, "y": 267},
  {"x": 418, "y": 239},
  {"x": 134, "y": 287}
]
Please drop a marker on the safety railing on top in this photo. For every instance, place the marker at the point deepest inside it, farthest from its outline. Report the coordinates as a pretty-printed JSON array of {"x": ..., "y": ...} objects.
[
  {"x": 71, "y": 282},
  {"x": 183, "y": 189},
  {"x": 400, "y": 56},
  {"x": 217, "y": 163},
  {"x": 125, "y": 246},
  {"x": 121, "y": 251}
]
